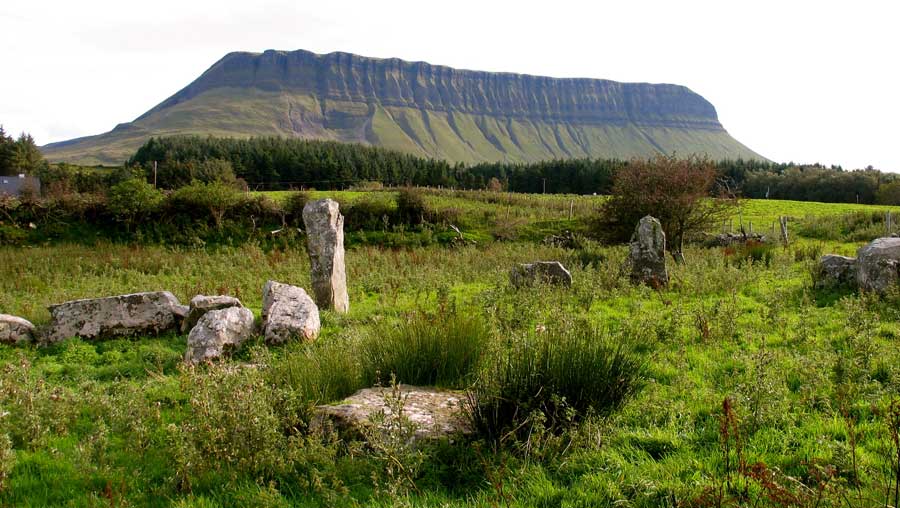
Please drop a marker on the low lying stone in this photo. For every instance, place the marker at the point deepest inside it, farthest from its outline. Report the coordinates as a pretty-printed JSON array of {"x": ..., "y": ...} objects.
[
  {"x": 835, "y": 271},
  {"x": 201, "y": 304},
  {"x": 564, "y": 240},
  {"x": 115, "y": 316},
  {"x": 728, "y": 239},
  {"x": 548, "y": 272},
  {"x": 15, "y": 330},
  {"x": 288, "y": 312},
  {"x": 878, "y": 265},
  {"x": 433, "y": 413},
  {"x": 217, "y": 331}
]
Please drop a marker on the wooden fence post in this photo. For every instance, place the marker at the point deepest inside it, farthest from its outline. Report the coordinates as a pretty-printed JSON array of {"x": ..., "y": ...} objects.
[{"x": 784, "y": 230}]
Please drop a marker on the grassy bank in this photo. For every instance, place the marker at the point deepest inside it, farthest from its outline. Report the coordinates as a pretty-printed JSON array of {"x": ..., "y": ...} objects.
[{"x": 754, "y": 389}]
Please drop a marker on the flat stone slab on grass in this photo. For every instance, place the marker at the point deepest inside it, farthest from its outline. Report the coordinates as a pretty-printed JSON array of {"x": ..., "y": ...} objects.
[
  {"x": 548, "y": 272},
  {"x": 115, "y": 316},
  {"x": 435, "y": 413}
]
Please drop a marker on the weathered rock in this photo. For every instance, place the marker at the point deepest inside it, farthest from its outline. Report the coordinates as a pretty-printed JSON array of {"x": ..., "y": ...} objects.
[
  {"x": 114, "y": 316},
  {"x": 287, "y": 313},
  {"x": 878, "y": 265},
  {"x": 15, "y": 330},
  {"x": 432, "y": 413},
  {"x": 218, "y": 330},
  {"x": 835, "y": 271},
  {"x": 564, "y": 240},
  {"x": 325, "y": 242},
  {"x": 727, "y": 239},
  {"x": 181, "y": 312},
  {"x": 201, "y": 304},
  {"x": 548, "y": 272},
  {"x": 647, "y": 254}
]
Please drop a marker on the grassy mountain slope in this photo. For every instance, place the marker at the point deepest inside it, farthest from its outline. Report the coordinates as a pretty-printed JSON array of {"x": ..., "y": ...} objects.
[{"x": 426, "y": 110}]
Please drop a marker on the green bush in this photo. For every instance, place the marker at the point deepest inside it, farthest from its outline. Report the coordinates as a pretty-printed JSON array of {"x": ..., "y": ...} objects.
[
  {"x": 751, "y": 251},
  {"x": 133, "y": 200},
  {"x": 293, "y": 207},
  {"x": 848, "y": 227},
  {"x": 368, "y": 213},
  {"x": 235, "y": 419},
  {"x": 256, "y": 211},
  {"x": 411, "y": 208},
  {"x": 442, "y": 349},
  {"x": 212, "y": 200},
  {"x": 556, "y": 377}
]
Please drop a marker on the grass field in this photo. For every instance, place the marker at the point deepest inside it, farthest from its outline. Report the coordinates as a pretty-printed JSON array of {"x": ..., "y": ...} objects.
[{"x": 755, "y": 390}]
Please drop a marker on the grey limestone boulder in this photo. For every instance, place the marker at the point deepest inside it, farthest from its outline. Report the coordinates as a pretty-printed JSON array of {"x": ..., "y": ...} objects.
[
  {"x": 115, "y": 316},
  {"x": 201, "y": 304},
  {"x": 878, "y": 265},
  {"x": 217, "y": 331},
  {"x": 288, "y": 312},
  {"x": 548, "y": 272},
  {"x": 834, "y": 271},
  {"x": 15, "y": 330}
]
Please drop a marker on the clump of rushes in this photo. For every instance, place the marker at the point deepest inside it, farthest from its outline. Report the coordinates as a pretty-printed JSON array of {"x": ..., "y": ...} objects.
[
  {"x": 441, "y": 349},
  {"x": 560, "y": 375}
]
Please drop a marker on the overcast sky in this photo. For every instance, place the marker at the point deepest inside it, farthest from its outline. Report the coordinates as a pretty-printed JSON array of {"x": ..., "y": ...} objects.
[{"x": 804, "y": 81}]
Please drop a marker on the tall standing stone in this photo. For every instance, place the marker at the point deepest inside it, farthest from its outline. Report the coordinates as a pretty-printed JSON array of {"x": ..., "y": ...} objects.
[
  {"x": 647, "y": 254},
  {"x": 325, "y": 242}
]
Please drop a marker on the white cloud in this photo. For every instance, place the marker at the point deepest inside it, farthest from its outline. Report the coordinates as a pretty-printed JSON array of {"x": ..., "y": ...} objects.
[{"x": 802, "y": 80}]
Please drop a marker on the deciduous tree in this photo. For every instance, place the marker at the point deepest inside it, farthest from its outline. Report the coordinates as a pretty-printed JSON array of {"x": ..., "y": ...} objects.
[{"x": 682, "y": 193}]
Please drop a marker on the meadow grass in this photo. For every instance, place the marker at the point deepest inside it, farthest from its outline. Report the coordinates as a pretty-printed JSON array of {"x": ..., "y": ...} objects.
[{"x": 808, "y": 376}]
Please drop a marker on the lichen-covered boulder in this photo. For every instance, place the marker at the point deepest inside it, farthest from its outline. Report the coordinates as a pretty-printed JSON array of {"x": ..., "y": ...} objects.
[
  {"x": 431, "y": 413},
  {"x": 288, "y": 312},
  {"x": 115, "y": 316},
  {"x": 835, "y": 271},
  {"x": 201, "y": 304},
  {"x": 325, "y": 243},
  {"x": 647, "y": 253},
  {"x": 547, "y": 272},
  {"x": 878, "y": 265},
  {"x": 15, "y": 330},
  {"x": 217, "y": 331}
]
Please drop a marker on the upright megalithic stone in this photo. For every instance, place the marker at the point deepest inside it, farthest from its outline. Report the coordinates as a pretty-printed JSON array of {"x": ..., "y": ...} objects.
[
  {"x": 325, "y": 242},
  {"x": 647, "y": 253}
]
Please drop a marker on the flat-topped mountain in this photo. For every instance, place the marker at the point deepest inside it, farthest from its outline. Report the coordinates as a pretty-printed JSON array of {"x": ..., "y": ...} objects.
[{"x": 428, "y": 110}]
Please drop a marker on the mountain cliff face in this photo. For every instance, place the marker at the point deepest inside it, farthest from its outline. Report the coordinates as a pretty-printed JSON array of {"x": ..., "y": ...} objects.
[{"x": 424, "y": 109}]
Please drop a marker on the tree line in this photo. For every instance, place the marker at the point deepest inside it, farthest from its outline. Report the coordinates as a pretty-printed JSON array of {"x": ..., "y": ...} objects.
[{"x": 272, "y": 163}]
